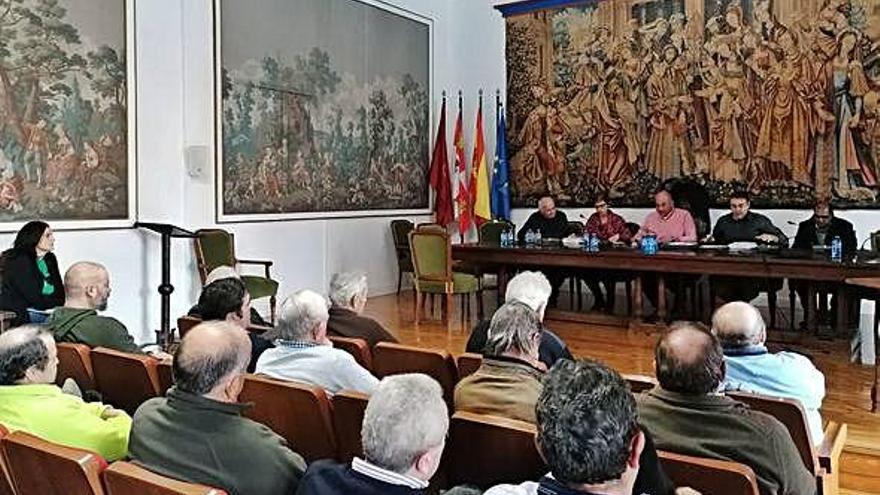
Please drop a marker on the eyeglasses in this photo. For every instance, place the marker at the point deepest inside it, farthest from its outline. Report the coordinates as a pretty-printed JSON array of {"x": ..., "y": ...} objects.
[{"x": 602, "y": 205}]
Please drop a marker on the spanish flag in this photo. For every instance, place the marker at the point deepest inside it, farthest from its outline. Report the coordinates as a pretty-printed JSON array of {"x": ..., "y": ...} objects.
[{"x": 480, "y": 174}]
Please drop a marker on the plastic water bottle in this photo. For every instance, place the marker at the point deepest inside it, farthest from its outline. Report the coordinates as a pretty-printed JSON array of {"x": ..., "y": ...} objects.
[
  {"x": 530, "y": 237},
  {"x": 585, "y": 241},
  {"x": 594, "y": 243},
  {"x": 538, "y": 237},
  {"x": 649, "y": 244},
  {"x": 836, "y": 249}
]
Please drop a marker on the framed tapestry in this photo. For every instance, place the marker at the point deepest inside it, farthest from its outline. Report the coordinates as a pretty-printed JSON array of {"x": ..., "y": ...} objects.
[
  {"x": 322, "y": 109},
  {"x": 67, "y": 152},
  {"x": 620, "y": 97}
]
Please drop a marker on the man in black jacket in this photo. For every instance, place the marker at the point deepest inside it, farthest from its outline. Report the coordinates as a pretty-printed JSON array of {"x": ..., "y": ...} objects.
[{"x": 552, "y": 223}]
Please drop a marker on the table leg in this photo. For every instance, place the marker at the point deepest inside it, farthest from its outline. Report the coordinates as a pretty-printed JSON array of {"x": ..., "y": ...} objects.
[
  {"x": 661, "y": 297},
  {"x": 840, "y": 319},
  {"x": 875, "y": 329},
  {"x": 502, "y": 285},
  {"x": 811, "y": 308},
  {"x": 638, "y": 312}
]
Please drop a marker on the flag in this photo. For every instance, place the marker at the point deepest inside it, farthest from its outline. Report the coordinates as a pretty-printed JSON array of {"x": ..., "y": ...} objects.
[
  {"x": 462, "y": 198},
  {"x": 480, "y": 175},
  {"x": 440, "y": 175},
  {"x": 500, "y": 189}
]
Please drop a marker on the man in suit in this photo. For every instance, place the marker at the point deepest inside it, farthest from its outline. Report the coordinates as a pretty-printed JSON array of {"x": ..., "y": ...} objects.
[{"x": 820, "y": 230}]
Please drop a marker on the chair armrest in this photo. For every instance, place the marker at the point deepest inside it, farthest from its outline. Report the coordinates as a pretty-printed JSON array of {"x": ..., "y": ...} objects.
[{"x": 829, "y": 450}]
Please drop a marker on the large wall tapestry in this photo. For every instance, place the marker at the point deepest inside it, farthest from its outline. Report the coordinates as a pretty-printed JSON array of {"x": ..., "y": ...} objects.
[
  {"x": 323, "y": 109},
  {"x": 65, "y": 81},
  {"x": 616, "y": 97}
]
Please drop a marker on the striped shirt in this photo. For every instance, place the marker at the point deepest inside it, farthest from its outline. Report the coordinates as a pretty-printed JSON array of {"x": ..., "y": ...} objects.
[{"x": 373, "y": 471}]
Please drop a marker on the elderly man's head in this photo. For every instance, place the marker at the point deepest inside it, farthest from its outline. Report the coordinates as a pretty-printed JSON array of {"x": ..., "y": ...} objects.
[
  {"x": 547, "y": 207},
  {"x": 739, "y": 324},
  {"x": 87, "y": 286},
  {"x": 226, "y": 300},
  {"x": 587, "y": 427},
  {"x": 27, "y": 356},
  {"x": 211, "y": 361},
  {"x": 688, "y": 359},
  {"x": 303, "y": 317},
  {"x": 515, "y": 331},
  {"x": 405, "y": 425},
  {"x": 530, "y": 288},
  {"x": 349, "y": 290},
  {"x": 663, "y": 202}
]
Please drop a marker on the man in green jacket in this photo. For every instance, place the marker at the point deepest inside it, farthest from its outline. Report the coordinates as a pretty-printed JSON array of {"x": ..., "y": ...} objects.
[
  {"x": 197, "y": 433},
  {"x": 29, "y": 400},
  {"x": 87, "y": 288}
]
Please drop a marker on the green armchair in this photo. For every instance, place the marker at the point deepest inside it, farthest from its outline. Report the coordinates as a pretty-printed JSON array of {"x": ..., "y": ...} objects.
[{"x": 432, "y": 266}]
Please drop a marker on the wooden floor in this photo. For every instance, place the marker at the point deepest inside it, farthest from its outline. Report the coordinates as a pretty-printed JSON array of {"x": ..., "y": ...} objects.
[{"x": 847, "y": 385}]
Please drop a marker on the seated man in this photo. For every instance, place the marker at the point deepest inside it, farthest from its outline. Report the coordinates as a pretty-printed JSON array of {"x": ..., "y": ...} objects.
[
  {"x": 588, "y": 434},
  {"x": 750, "y": 367},
  {"x": 30, "y": 401},
  {"x": 686, "y": 414},
  {"x": 220, "y": 273},
  {"x": 196, "y": 433},
  {"x": 509, "y": 380},
  {"x": 743, "y": 225},
  {"x": 533, "y": 290},
  {"x": 348, "y": 293},
  {"x": 86, "y": 289},
  {"x": 667, "y": 222},
  {"x": 403, "y": 436},
  {"x": 228, "y": 300},
  {"x": 552, "y": 223},
  {"x": 303, "y": 353}
]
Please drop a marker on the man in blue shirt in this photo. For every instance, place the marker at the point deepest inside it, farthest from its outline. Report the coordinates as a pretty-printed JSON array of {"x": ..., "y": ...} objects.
[{"x": 752, "y": 368}]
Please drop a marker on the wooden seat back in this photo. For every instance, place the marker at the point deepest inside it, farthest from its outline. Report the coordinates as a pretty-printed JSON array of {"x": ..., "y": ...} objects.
[
  {"x": 348, "y": 415},
  {"x": 392, "y": 359},
  {"x": 358, "y": 348},
  {"x": 468, "y": 363},
  {"x": 125, "y": 478},
  {"x": 75, "y": 361},
  {"x": 166, "y": 376},
  {"x": 5, "y": 478},
  {"x": 299, "y": 412},
  {"x": 40, "y": 467},
  {"x": 475, "y": 447},
  {"x": 709, "y": 475},
  {"x": 125, "y": 380},
  {"x": 639, "y": 383},
  {"x": 186, "y": 323}
]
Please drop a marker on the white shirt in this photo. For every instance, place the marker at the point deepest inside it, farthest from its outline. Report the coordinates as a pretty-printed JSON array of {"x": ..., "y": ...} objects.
[
  {"x": 373, "y": 471},
  {"x": 321, "y": 365}
]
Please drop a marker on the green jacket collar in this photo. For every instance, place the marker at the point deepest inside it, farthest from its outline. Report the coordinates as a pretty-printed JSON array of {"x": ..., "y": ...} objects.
[
  {"x": 187, "y": 401},
  {"x": 693, "y": 401},
  {"x": 30, "y": 389}
]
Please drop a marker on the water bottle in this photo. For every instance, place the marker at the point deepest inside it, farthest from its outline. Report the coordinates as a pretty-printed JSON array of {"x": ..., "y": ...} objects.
[
  {"x": 538, "y": 237},
  {"x": 585, "y": 241},
  {"x": 530, "y": 237},
  {"x": 836, "y": 249},
  {"x": 594, "y": 243},
  {"x": 649, "y": 244}
]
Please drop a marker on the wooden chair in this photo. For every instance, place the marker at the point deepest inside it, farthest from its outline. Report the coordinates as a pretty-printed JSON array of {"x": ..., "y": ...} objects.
[
  {"x": 432, "y": 264},
  {"x": 125, "y": 380},
  {"x": 476, "y": 442},
  {"x": 709, "y": 475},
  {"x": 348, "y": 415},
  {"x": 357, "y": 348},
  {"x": 40, "y": 467},
  {"x": 166, "y": 376},
  {"x": 639, "y": 383},
  {"x": 75, "y": 361},
  {"x": 822, "y": 461},
  {"x": 391, "y": 359},
  {"x": 300, "y": 413},
  {"x": 186, "y": 323},
  {"x": 468, "y": 363},
  {"x": 400, "y": 230},
  {"x": 125, "y": 478},
  {"x": 5, "y": 478}
]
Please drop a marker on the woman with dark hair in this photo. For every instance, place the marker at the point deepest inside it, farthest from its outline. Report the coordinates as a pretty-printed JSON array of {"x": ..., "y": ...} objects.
[{"x": 30, "y": 273}]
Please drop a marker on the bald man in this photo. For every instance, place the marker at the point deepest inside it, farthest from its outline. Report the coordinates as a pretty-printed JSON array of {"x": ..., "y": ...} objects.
[
  {"x": 687, "y": 415},
  {"x": 667, "y": 222},
  {"x": 87, "y": 289},
  {"x": 196, "y": 433},
  {"x": 552, "y": 223},
  {"x": 752, "y": 368}
]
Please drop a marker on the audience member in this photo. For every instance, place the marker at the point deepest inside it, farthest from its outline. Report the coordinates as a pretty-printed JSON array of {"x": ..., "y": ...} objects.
[
  {"x": 403, "y": 436},
  {"x": 668, "y": 223},
  {"x": 305, "y": 354},
  {"x": 752, "y": 368},
  {"x": 197, "y": 433},
  {"x": 227, "y": 299},
  {"x": 551, "y": 223},
  {"x": 30, "y": 401},
  {"x": 508, "y": 382},
  {"x": 532, "y": 289},
  {"x": 220, "y": 273},
  {"x": 348, "y": 295},
  {"x": 687, "y": 415},
  {"x": 589, "y": 435},
  {"x": 86, "y": 289},
  {"x": 30, "y": 276}
]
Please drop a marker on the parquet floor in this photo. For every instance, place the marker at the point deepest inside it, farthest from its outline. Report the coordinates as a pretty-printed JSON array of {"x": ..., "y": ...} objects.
[{"x": 631, "y": 351}]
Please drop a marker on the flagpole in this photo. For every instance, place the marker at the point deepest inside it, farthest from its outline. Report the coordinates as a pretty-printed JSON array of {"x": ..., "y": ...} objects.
[{"x": 460, "y": 233}]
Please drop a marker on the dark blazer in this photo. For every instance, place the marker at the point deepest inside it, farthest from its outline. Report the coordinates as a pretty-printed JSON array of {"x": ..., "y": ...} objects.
[
  {"x": 22, "y": 285},
  {"x": 344, "y": 322},
  {"x": 806, "y": 235},
  {"x": 551, "y": 349}
]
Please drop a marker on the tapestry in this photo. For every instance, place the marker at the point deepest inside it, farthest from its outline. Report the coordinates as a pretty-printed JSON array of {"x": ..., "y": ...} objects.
[
  {"x": 323, "y": 109},
  {"x": 620, "y": 97},
  {"x": 64, "y": 91}
]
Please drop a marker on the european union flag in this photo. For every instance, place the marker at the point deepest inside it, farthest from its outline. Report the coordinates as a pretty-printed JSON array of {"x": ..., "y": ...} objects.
[{"x": 500, "y": 188}]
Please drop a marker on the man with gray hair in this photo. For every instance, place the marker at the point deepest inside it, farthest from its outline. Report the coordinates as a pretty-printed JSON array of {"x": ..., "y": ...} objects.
[
  {"x": 348, "y": 295},
  {"x": 303, "y": 353},
  {"x": 196, "y": 433},
  {"x": 403, "y": 436},
  {"x": 508, "y": 382},
  {"x": 752, "y": 368},
  {"x": 532, "y": 289}
]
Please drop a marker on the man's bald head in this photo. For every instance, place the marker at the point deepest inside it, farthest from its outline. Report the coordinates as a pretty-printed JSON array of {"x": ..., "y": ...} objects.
[
  {"x": 663, "y": 202},
  {"x": 27, "y": 348},
  {"x": 87, "y": 286},
  {"x": 688, "y": 360},
  {"x": 209, "y": 356},
  {"x": 739, "y": 324}
]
